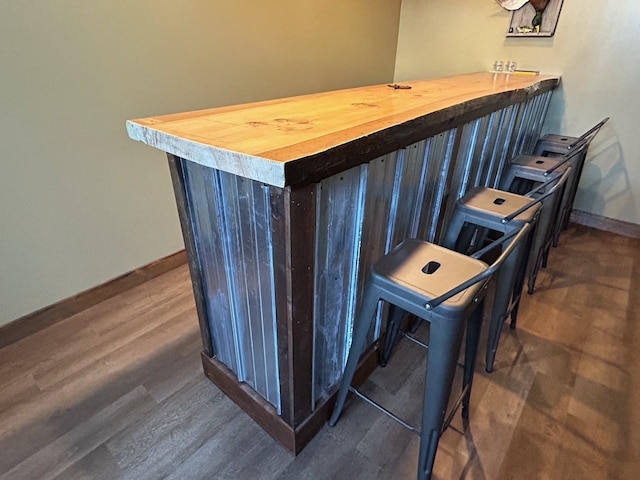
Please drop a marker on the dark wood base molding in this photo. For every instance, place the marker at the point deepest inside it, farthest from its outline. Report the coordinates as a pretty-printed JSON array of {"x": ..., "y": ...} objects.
[
  {"x": 604, "y": 223},
  {"x": 52, "y": 314},
  {"x": 293, "y": 439},
  {"x": 249, "y": 400}
]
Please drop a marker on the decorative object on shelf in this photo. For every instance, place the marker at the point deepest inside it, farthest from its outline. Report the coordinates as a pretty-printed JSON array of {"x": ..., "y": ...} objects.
[
  {"x": 511, "y": 4},
  {"x": 534, "y": 18},
  {"x": 538, "y": 6}
]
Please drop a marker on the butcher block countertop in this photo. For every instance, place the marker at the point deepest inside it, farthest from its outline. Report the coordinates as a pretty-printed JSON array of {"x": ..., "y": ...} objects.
[{"x": 303, "y": 139}]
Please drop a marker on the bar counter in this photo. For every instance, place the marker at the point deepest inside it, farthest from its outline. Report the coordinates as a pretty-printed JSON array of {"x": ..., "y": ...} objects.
[{"x": 285, "y": 204}]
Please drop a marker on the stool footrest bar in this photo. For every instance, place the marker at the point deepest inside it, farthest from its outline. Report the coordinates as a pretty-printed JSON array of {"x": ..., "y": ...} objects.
[
  {"x": 383, "y": 410},
  {"x": 397, "y": 419},
  {"x": 415, "y": 340}
]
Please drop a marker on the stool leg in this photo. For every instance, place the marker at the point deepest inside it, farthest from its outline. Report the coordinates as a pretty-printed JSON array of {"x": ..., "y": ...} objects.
[
  {"x": 567, "y": 218},
  {"x": 417, "y": 322},
  {"x": 396, "y": 314},
  {"x": 362, "y": 326},
  {"x": 444, "y": 345},
  {"x": 533, "y": 272},
  {"x": 561, "y": 212},
  {"x": 522, "y": 270},
  {"x": 507, "y": 179},
  {"x": 556, "y": 231},
  {"x": 564, "y": 220},
  {"x": 543, "y": 239},
  {"x": 521, "y": 186},
  {"x": 498, "y": 315},
  {"x": 545, "y": 256},
  {"x": 466, "y": 236},
  {"x": 537, "y": 249},
  {"x": 474, "y": 325},
  {"x": 456, "y": 224},
  {"x": 558, "y": 226},
  {"x": 574, "y": 187},
  {"x": 507, "y": 278}
]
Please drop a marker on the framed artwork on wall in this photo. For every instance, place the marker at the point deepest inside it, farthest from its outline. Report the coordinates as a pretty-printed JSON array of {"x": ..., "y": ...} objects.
[{"x": 535, "y": 18}]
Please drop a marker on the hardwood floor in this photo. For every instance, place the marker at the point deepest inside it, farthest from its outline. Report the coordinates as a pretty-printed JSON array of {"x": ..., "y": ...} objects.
[{"x": 116, "y": 391}]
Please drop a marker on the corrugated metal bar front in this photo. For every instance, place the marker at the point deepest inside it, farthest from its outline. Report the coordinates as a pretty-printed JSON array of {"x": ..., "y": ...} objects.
[
  {"x": 501, "y": 150},
  {"x": 234, "y": 245},
  {"x": 438, "y": 152},
  {"x": 365, "y": 211},
  {"x": 497, "y": 147},
  {"x": 522, "y": 127},
  {"x": 531, "y": 118},
  {"x": 538, "y": 121},
  {"x": 482, "y": 153},
  {"x": 339, "y": 210},
  {"x": 476, "y": 143},
  {"x": 360, "y": 215}
]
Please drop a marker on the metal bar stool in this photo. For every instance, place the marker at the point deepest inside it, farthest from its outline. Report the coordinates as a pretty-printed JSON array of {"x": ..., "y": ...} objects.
[
  {"x": 561, "y": 144},
  {"x": 525, "y": 171},
  {"x": 552, "y": 145},
  {"x": 445, "y": 289},
  {"x": 489, "y": 209}
]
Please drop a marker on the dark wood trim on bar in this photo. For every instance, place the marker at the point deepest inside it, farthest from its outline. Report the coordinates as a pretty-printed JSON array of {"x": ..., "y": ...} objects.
[
  {"x": 50, "y": 315},
  {"x": 294, "y": 440},
  {"x": 612, "y": 225},
  {"x": 324, "y": 164},
  {"x": 250, "y": 401},
  {"x": 307, "y": 430},
  {"x": 177, "y": 178},
  {"x": 281, "y": 264},
  {"x": 301, "y": 226},
  {"x": 293, "y": 258}
]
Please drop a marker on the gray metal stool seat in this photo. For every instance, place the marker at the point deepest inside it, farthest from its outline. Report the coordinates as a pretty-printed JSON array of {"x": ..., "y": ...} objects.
[
  {"x": 489, "y": 209},
  {"x": 553, "y": 145},
  {"x": 443, "y": 288}
]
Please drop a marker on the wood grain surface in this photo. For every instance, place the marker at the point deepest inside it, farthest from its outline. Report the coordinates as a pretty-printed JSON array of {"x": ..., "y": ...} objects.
[
  {"x": 116, "y": 391},
  {"x": 261, "y": 140}
]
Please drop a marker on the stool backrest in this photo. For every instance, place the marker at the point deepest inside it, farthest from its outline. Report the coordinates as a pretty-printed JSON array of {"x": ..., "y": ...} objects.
[
  {"x": 516, "y": 235},
  {"x": 579, "y": 146},
  {"x": 589, "y": 134},
  {"x": 559, "y": 182}
]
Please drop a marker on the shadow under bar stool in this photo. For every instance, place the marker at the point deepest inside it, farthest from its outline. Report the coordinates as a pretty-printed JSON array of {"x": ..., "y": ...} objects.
[
  {"x": 553, "y": 145},
  {"x": 498, "y": 211},
  {"x": 445, "y": 289}
]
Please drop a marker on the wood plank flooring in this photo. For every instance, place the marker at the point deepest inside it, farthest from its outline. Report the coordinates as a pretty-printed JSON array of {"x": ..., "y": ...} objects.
[{"x": 117, "y": 392}]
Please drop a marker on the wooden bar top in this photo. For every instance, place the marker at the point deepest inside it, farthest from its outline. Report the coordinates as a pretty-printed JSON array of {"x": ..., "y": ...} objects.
[{"x": 302, "y": 139}]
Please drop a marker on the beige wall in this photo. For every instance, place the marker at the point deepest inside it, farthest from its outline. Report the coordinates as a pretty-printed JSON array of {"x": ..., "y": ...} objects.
[
  {"x": 596, "y": 49},
  {"x": 80, "y": 203}
]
